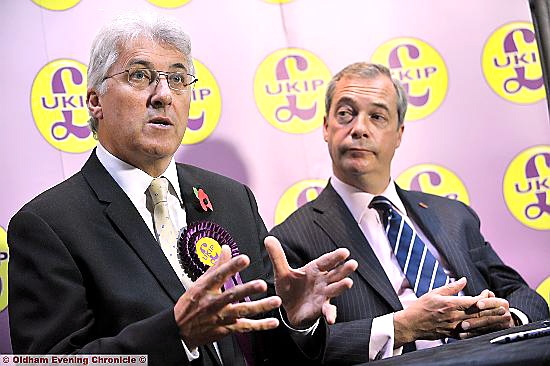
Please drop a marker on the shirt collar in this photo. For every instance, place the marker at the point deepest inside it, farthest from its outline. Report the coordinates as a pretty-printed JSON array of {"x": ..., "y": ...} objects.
[
  {"x": 358, "y": 201},
  {"x": 133, "y": 181}
]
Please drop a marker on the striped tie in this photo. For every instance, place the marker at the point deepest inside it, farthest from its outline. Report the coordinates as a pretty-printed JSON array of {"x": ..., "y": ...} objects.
[{"x": 422, "y": 270}]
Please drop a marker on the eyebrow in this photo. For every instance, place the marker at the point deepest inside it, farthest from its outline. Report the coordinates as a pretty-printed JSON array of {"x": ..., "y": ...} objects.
[
  {"x": 149, "y": 65},
  {"x": 383, "y": 106},
  {"x": 345, "y": 100}
]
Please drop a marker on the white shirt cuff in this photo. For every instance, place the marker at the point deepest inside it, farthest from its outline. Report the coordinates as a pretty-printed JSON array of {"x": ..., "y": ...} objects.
[
  {"x": 304, "y": 332},
  {"x": 382, "y": 338},
  {"x": 520, "y": 316},
  {"x": 191, "y": 355}
]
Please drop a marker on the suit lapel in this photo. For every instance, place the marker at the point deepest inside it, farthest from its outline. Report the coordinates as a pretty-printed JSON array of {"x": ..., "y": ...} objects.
[
  {"x": 194, "y": 212},
  {"x": 127, "y": 220},
  {"x": 335, "y": 219},
  {"x": 442, "y": 232}
]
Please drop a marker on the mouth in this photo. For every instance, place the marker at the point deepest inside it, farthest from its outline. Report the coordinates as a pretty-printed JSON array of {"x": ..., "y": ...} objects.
[
  {"x": 160, "y": 121},
  {"x": 360, "y": 150}
]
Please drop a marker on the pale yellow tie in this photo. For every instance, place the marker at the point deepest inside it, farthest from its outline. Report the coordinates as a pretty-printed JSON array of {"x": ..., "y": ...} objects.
[{"x": 167, "y": 234}]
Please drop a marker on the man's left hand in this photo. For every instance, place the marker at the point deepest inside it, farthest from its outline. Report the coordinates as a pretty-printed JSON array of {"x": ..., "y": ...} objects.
[
  {"x": 489, "y": 314},
  {"x": 306, "y": 292}
]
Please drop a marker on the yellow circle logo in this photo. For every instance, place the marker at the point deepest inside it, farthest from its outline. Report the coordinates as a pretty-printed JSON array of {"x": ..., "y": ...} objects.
[
  {"x": 434, "y": 179},
  {"x": 526, "y": 187},
  {"x": 289, "y": 88},
  {"x": 169, "y": 3},
  {"x": 4, "y": 258},
  {"x": 420, "y": 69},
  {"x": 511, "y": 63},
  {"x": 58, "y": 103},
  {"x": 296, "y": 196},
  {"x": 544, "y": 290},
  {"x": 56, "y": 4},
  {"x": 206, "y": 106},
  {"x": 208, "y": 250}
]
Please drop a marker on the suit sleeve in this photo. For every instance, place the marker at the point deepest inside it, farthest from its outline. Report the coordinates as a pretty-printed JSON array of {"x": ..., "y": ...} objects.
[
  {"x": 347, "y": 342},
  {"x": 272, "y": 342},
  {"x": 503, "y": 280},
  {"x": 49, "y": 303}
]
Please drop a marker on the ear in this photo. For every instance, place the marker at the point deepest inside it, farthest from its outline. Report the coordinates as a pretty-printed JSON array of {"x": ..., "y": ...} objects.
[
  {"x": 400, "y": 131},
  {"x": 325, "y": 128},
  {"x": 94, "y": 104}
]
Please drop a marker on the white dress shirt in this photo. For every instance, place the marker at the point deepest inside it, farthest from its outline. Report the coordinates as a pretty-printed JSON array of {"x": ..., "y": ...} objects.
[
  {"x": 382, "y": 332},
  {"x": 135, "y": 183},
  {"x": 357, "y": 201}
]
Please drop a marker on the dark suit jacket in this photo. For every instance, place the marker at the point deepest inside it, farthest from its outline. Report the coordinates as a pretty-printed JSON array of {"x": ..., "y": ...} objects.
[
  {"x": 326, "y": 223},
  {"x": 87, "y": 275}
]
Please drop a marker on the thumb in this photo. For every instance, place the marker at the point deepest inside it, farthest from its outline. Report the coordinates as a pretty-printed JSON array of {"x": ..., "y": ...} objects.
[
  {"x": 452, "y": 288},
  {"x": 277, "y": 255}
]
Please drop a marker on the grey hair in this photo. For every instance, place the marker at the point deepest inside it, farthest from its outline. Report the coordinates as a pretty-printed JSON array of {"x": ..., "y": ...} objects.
[
  {"x": 369, "y": 71},
  {"x": 124, "y": 29}
]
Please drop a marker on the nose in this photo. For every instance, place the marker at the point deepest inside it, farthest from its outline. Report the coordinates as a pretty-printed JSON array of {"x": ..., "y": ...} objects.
[
  {"x": 359, "y": 128},
  {"x": 162, "y": 94}
]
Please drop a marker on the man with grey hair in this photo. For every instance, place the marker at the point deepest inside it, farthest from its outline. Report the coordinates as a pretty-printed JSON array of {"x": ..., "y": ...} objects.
[
  {"x": 415, "y": 251},
  {"x": 138, "y": 254}
]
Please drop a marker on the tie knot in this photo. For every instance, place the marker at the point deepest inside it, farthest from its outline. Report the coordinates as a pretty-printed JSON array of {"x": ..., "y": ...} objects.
[
  {"x": 380, "y": 202},
  {"x": 159, "y": 190},
  {"x": 383, "y": 206}
]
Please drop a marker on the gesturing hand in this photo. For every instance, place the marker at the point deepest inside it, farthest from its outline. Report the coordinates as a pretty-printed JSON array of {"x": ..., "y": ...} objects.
[
  {"x": 306, "y": 292},
  {"x": 205, "y": 314}
]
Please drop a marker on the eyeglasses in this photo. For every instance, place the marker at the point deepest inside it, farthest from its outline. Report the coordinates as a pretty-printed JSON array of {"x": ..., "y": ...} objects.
[{"x": 141, "y": 78}]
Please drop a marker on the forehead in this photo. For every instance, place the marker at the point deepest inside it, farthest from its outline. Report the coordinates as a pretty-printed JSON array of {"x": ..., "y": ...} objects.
[
  {"x": 159, "y": 55},
  {"x": 378, "y": 89}
]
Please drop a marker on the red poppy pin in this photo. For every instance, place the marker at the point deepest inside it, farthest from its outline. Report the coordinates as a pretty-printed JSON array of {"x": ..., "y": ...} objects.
[{"x": 203, "y": 199}]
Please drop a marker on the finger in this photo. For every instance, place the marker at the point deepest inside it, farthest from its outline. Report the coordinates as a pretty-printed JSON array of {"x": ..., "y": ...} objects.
[
  {"x": 244, "y": 325},
  {"x": 493, "y": 302},
  {"x": 338, "y": 288},
  {"x": 328, "y": 261},
  {"x": 451, "y": 288},
  {"x": 486, "y": 323},
  {"x": 238, "y": 293},
  {"x": 342, "y": 271},
  {"x": 485, "y": 313},
  {"x": 277, "y": 256},
  {"x": 329, "y": 312},
  {"x": 225, "y": 256},
  {"x": 251, "y": 308},
  {"x": 217, "y": 275}
]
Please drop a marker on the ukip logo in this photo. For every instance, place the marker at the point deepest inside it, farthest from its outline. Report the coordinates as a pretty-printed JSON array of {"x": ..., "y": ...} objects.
[
  {"x": 170, "y": 4},
  {"x": 58, "y": 102},
  {"x": 297, "y": 196},
  {"x": 420, "y": 69},
  {"x": 56, "y": 4},
  {"x": 511, "y": 64},
  {"x": 434, "y": 179},
  {"x": 4, "y": 257},
  {"x": 289, "y": 90},
  {"x": 206, "y": 106},
  {"x": 527, "y": 188}
]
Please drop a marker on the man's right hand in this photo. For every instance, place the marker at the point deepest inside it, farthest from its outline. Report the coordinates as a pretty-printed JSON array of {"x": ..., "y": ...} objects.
[
  {"x": 435, "y": 315},
  {"x": 205, "y": 314}
]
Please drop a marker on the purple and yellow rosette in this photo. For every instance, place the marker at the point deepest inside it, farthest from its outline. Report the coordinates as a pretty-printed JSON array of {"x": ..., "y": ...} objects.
[{"x": 199, "y": 247}]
